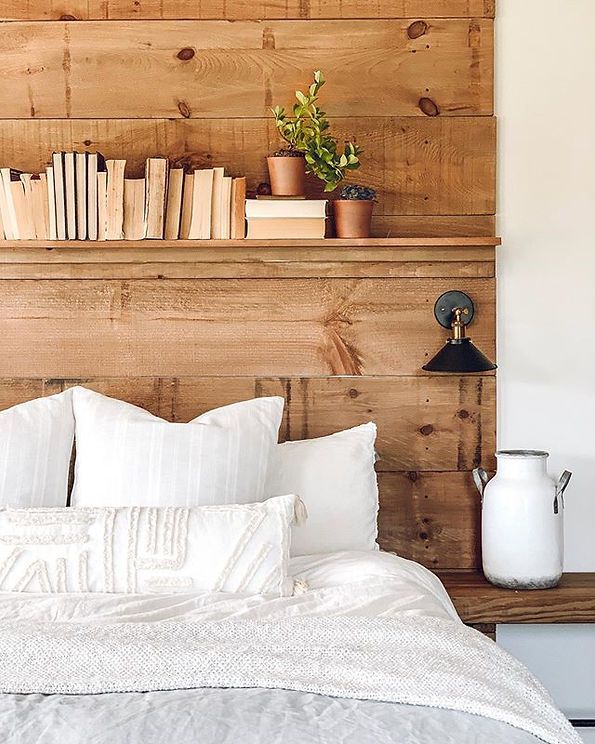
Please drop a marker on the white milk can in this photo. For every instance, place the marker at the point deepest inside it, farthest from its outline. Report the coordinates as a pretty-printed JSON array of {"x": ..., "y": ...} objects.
[{"x": 522, "y": 521}]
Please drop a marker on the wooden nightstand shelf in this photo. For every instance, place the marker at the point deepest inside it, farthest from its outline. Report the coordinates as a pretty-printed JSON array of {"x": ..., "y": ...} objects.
[{"x": 480, "y": 603}]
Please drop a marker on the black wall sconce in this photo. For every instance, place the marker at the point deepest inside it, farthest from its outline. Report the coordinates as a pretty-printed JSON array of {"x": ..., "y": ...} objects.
[{"x": 455, "y": 310}]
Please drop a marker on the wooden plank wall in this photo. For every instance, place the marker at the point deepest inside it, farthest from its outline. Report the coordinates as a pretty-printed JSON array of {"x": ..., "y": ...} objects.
[{"x": 412, "y": 82}]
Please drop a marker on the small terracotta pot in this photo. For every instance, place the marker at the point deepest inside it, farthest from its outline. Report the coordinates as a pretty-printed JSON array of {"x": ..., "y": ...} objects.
[
  {"x": 353, "y": 217},
  {"x": 287, "y": 175}
]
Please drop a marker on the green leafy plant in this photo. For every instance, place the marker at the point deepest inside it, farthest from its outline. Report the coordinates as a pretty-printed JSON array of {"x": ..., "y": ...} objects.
[
  {"x": 296, "y": 130},
  {"x": 307, "y": 132}
]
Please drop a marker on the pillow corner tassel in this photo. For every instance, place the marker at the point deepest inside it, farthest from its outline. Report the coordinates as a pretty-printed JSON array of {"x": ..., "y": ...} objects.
[{"x": 300, "y": 513}]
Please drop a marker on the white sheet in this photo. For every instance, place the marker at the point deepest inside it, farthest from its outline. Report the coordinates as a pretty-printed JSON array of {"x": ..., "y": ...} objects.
[{"x": 368, "y": 584}]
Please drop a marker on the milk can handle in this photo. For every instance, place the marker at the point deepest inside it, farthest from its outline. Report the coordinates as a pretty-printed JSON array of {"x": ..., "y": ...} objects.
[
  {"x": 481, "y": 480},
  {"x": 560, "y": 488}
]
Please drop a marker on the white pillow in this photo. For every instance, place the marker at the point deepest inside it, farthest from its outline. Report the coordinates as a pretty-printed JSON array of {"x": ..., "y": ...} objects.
[
  {"x": 125, "y": 456},
  {"x": 335, "y": 478},
  {"x": 238, "y": 548},
  {"x": 35, "y": 449}
]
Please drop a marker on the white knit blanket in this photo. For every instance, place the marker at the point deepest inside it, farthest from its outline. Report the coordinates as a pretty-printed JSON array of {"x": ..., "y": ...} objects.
[{"x": 412, "y": 660}]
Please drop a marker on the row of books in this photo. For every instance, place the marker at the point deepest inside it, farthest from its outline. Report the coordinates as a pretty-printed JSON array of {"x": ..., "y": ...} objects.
[{"x": 83, "y": 196}]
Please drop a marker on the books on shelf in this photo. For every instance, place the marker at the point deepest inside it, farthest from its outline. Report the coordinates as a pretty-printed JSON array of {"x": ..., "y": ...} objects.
[
  {"x": 83, "y": 196},
  {"x": 39, "y": 206},
  {"x": 59, "y": 199},
  {"x": 95, "y": 166},
  {"x": 51, "y": 204},
  {"x": 80, "y": 162},
  {"x": 7, "y": 207},
  {"x": 70, "y": 195},
  {"x": 307, "y": 228},
  {"x": 273, "y": 219},
  {"x": 203, "y": 189},
  {"x": 237, "y": 225},
  {"x": 24, "y": 215},
  {"x": 187, "y": 200},
  {"x": 102, "y": 205},
  {"x": 155, "y": 197},
  {"x": 114, "y": 229},
  {"x": 134, "y": 209},
  {"x": 173, "y": 209}
]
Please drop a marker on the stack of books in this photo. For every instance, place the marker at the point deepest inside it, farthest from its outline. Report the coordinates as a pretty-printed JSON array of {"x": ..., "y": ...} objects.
[
  {"x": 271, "y": 218},
  {"x": 83, "y": 196}
]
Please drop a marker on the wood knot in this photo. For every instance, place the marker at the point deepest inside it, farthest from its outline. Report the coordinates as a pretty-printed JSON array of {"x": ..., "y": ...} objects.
[
  {"x": 428, "y": 107},
  {"x": 426, "y": 430},
  {"x": 87, "y": 143},
  {"x": 186, "y": 53},
  {"x": 423, "y": 535},
  {"x": 463, "y": 414},
  {"x": 67, "y": 17},
  {"x": 417, "y": 29},
  {"x": 412, "y": 475},
  {"x": 268, "y": 39},
  {"x": 353, "y": 393},
  {"x": 184, "y": 109}
]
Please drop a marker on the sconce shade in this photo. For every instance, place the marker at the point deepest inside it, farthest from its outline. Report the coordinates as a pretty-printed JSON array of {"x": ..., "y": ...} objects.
[{"x": 459, "y": 355}]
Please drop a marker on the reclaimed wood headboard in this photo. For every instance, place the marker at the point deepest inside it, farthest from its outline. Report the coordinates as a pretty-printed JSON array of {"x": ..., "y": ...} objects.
[{"x": 340, "y": 332}]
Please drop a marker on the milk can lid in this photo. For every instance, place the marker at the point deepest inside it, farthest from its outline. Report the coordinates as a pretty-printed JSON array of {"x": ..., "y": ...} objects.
[{"x": 522, "y": 453}]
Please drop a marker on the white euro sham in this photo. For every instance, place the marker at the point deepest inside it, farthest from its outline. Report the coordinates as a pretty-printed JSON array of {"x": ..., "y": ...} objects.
[
  {"x": 35, "y": 449},
  {"x": 335, "y": 478},
  {"x": 126, "y": 456},
  {"x": 240, "y": 548}
]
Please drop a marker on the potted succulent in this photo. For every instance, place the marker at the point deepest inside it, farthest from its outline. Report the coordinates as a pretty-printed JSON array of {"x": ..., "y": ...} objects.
[
  {"x": 286, "y": 166},
  {"x": 353, "y": 211}
]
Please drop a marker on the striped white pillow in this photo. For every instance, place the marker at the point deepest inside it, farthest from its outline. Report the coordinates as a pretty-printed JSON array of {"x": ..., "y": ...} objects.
[
  {"x": 35, "y": 449},
  {"x": 125, "y": 456}
]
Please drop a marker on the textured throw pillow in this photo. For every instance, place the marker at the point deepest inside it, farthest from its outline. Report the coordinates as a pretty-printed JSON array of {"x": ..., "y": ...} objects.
[
  {"x": 35, "y": 449},
  {"x": 125, "y": 456},
  {"x": 335, "y": 478},
  {"x": 237, "y": 548}
]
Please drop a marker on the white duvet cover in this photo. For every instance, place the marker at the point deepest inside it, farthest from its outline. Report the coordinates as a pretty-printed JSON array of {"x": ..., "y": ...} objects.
[{"x": 371, "y": 650}]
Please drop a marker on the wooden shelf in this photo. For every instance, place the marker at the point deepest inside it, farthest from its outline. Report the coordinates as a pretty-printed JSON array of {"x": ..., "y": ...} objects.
[
  {"x": 291, "y": 243},
  {"x": 373, "y": 257},
  {"x": 477, "y": 601}
]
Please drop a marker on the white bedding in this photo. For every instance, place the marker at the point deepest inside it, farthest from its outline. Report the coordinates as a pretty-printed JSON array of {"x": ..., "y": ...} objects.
[
  {"x": 397, "y": 639},
  {"x": 368, "y": 584}
]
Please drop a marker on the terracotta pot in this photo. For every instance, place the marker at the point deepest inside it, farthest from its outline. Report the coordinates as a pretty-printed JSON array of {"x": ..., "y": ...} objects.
[
  {"x": 353, "y": 217},
  {"x": 287, "y": 175}
]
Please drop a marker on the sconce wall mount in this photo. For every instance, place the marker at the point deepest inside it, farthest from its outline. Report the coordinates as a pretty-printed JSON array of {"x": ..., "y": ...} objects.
[{"x": 455, "y": 310}]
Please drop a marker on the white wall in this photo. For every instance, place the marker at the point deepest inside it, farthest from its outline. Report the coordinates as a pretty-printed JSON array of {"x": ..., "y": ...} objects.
[{"x": 546, "y": 107}]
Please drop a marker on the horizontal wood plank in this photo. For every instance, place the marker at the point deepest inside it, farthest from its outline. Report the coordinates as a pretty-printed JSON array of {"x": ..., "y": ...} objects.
[
  {"x": 478, "y": 601},
  {"x": 432, "y": 518},
  {"x": 297, "y": 327},
  {"x": 241, "y": 9},
  {"x": 216, "y": 69},
  {"x": 424, "y": 424},
  {"x": 220, "y": 270},
  {"x": 437, "y": 423},
  {"x": 434, "y": 166}
]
